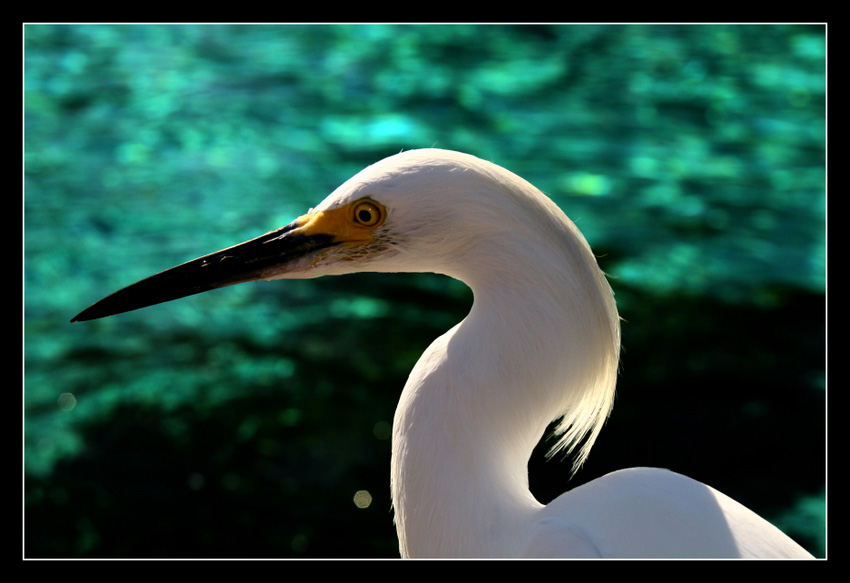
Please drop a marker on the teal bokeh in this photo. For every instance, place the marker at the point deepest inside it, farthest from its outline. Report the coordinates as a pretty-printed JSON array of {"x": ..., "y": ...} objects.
[{"x": 243, "y": 422}]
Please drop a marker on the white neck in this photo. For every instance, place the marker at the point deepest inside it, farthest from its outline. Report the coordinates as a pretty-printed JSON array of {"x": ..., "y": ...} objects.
[{"x": 532, "y": 349}]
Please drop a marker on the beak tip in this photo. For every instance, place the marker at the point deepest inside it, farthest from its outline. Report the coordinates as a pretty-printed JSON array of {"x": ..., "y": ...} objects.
[{"x": 83, "y": 316}]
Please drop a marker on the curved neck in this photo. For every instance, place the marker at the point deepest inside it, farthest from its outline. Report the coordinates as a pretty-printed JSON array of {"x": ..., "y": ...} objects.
[
  {"x": 481, "y": 396},
  {"x": 459, "y": 461}
]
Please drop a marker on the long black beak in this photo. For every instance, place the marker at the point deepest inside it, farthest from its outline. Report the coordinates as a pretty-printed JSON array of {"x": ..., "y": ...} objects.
[{"x": 260, "y": 258}]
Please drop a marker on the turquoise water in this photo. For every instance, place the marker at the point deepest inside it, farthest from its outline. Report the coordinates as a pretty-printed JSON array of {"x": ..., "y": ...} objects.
[{"x": 243, "y": 422}]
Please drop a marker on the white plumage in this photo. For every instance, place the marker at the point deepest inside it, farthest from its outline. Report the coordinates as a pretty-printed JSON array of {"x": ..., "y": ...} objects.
[{"x": 541, "y": 343}]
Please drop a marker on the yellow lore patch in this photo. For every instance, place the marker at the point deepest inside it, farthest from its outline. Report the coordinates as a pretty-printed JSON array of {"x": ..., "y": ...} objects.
[{"x": 352, "y": 224}]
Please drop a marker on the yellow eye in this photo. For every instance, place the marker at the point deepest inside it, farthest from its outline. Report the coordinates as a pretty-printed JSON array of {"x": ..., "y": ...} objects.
[{"x": 368, "y": 213}]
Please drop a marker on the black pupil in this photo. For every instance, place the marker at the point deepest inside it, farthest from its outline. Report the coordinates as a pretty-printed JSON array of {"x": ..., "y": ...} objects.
[{"x": 365, "y": 215}]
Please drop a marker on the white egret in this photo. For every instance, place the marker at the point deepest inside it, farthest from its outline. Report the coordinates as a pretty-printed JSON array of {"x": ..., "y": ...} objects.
[{"x": 540, "y": 343}]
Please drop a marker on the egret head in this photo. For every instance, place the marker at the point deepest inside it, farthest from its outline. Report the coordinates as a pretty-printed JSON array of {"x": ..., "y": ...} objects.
[
  {"x": 432, "y": 211},
  {"x": 418, "y": 211}
]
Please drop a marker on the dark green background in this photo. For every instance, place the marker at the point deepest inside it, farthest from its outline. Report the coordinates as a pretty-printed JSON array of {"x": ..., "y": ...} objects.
[{"x": 241, "y": 423}]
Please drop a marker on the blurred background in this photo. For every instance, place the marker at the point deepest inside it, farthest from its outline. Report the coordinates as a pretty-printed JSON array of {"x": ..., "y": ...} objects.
[{"x": 254, "y": 421}]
